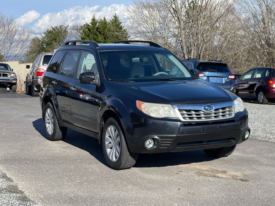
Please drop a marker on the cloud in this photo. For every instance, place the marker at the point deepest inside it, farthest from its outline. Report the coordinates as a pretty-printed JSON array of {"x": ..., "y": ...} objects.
[
  {"x": 78, "y": 15},
  {"x": 28, "y": 18}
]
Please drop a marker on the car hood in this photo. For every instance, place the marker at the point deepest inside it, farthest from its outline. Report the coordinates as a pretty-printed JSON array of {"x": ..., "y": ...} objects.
[{"x": 176, "y": 92}]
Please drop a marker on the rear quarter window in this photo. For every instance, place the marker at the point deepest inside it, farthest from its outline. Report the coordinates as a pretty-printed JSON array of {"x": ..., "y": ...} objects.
[
  {"x": 46, "y": 59},
  {"x": 56, "y": 61}
]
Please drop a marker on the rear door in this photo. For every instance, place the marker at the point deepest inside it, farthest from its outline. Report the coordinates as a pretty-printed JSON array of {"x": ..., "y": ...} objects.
[
  {"x": 85, "y": 97},
  {"x": 243, "y": 83},
  {"x": 63, "y": 84},
  {"x": 216, "y": 73}
]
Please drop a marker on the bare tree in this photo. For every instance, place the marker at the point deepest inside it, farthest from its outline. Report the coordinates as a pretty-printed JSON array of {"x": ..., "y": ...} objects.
[{"x": 14, "y": 39}]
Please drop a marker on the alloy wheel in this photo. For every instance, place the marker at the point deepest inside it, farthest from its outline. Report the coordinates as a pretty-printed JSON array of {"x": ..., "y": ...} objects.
[
  {"x": 112, "y": 143},
  {"x": 49, "y": 121}
]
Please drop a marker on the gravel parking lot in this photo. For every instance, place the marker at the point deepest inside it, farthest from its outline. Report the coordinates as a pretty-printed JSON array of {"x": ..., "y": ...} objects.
[{"x": 73, "y": 171}]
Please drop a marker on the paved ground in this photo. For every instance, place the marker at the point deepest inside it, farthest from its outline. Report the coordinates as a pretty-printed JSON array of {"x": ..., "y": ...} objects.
[{"x": 73, "y": 171}]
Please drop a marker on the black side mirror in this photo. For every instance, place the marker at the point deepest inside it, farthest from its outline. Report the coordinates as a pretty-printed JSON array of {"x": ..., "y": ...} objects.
[
  {"x": 11, "y": 69},
  {"x": 87, "y": 78},
  {"x": 195, "y": 73},
  {"x": 28, "y": 66}
]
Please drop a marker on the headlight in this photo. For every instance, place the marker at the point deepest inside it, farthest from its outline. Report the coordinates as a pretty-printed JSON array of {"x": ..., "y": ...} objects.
[
  {"x": 13, "y": 75},
  {"x": 239, "y": 107},
  {"x": 157, "y": 110}
]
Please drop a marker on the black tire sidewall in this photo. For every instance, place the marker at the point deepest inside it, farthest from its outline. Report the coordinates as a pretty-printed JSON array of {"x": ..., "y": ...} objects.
[
  {"x": 118, "y": 163},
  {"x": 48, "y": 136}
]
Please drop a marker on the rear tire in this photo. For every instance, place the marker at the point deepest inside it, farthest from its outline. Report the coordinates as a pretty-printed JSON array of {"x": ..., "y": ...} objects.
[
  {"x": 220, "y": 152},
  {"x": 27, "y": 89},
  {"x": 123, "y": 158},
  {"x": 261, "y": 97},
  {"x": 33, "y": 93},
  {"x": 53, "y": 131}
]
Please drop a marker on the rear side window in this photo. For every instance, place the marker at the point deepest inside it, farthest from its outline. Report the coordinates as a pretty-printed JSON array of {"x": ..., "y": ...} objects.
[
  {"x": 46, "y": 59},
  {"x": 69, "y": 65},
  {"x": 267, "y": 73},
  {"x": 258, "y": 73},
  {"x": 272, "y": 73},
  {"x": 55, "y": 63},
  {"x": 213, "y": 67}
]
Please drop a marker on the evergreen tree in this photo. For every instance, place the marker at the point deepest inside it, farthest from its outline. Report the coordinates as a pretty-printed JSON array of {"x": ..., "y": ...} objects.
[
  {"x": 103, "y": 30},
  {"x": 89, "y": 31},
  {"x": 54, "y": 38},
  {"x": 116, "y": 31},
  {"x": 35, "y": 48},
  {"x": 2, "y": 59}
]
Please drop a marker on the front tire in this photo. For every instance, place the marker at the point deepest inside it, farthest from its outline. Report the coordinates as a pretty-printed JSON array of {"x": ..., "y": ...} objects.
[
  {"x": 115, "y": 150},
  {"x": 13, "y": 88},
  {"x": 53, "y": 131},
  {"x": 261, "y": 97},
  {"x": 220, "y": 152}
]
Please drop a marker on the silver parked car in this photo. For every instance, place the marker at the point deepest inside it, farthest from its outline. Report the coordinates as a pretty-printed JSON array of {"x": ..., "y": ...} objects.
[{"x": 34, "y": 77}]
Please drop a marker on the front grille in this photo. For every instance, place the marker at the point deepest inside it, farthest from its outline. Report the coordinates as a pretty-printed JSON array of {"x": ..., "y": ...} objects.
[
  {"x": 217, "y": 114},
  {"x": 4, "y": 75}
]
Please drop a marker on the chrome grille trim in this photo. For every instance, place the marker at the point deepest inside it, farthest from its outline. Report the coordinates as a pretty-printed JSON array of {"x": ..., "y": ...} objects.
[{"x": 223, "y": 110}]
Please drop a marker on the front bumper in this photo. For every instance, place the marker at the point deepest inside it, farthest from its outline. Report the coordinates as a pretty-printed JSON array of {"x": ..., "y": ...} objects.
[
  {"x": 177, "y": 136},
  {"x": 8, "y": 80}
]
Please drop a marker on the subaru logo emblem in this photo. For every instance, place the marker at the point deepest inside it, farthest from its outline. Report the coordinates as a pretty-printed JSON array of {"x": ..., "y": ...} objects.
[{"x": 208, "y": 108}]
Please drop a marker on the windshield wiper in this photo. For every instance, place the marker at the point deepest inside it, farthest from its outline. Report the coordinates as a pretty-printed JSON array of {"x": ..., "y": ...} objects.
[
  {"x": 123, "y": 81},
  {"x": 155, "y": 80}
]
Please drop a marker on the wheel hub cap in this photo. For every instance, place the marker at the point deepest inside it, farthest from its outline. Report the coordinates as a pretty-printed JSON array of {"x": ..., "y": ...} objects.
[
  {"x": 260, "y": 97},
  {"x": 112, "y": 143},
  {"x": 49, "y": 121}
]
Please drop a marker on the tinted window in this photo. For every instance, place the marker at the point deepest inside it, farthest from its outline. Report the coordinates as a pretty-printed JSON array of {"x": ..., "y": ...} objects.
[
  {"x": 248, "y": 74},
  {"x": 267, "y": 73},
  {"x": 258, "y": 73},
  {"x": 143, "y": 66},
  {"x": 87, "y": 64},
  {"x": 213, "y": 67},
  {"x": 69, "y": 65},
  {"x": 4, "y": 67},
  {"x": 46, "y": 59},
  {"x": 272, "y": 73},
  {"x": 56, "y": 60}
]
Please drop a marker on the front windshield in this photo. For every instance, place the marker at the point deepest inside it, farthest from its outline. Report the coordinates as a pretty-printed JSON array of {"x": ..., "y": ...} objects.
[
  {"x": 143, "y": 66},
  {"x": 4, "y": 67}
]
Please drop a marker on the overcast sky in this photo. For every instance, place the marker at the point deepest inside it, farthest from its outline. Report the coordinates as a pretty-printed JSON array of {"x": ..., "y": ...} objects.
[{"x": 40, "y": 15}]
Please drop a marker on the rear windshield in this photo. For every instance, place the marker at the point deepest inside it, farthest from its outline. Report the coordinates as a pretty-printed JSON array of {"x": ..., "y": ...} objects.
[
  {"x": 213, "y": 67},
  {"x": 46, "y": 59}
]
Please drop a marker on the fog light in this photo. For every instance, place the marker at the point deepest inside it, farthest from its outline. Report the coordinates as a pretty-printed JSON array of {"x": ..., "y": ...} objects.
[
  {"x": 149, "y": 143},
  {"x": 247, "y": 134}
]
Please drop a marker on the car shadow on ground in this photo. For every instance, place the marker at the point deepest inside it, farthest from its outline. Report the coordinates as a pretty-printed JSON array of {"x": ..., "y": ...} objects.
[
  {"x": 92, "y": 146},
  {"x": 254, "y": 101}
]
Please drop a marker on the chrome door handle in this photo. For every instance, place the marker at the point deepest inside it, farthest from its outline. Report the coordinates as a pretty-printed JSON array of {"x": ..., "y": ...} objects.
[
  {"x": 54, "y": 82},
  {"x": 73, "y": 88}
]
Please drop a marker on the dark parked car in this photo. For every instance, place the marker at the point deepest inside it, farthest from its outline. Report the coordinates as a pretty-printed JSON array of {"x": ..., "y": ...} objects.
[
  {"x": 257, "y": 83},
  {"x": 8, "y": 78},
  {"x": 214, "y": 71},
  {"x": 34, "y": 77},
  {"x": 137, "y": 99}
]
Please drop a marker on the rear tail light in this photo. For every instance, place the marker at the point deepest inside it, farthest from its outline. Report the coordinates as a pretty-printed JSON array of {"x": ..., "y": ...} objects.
[
  {"x": 201, "y": 74},
  {"x": 271, "y": 84},
  {"x": 40, "y": 72},
  {"x": 232, "y": 76}
]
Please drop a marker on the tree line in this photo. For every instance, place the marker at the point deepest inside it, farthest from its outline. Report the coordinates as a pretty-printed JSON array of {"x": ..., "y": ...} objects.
[{"x": 240, "y": 32}]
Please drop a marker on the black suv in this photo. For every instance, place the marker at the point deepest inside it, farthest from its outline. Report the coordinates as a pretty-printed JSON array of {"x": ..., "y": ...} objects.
[
  {"x": 137, "y": 99},
  {"x": 214, "y": 71}
]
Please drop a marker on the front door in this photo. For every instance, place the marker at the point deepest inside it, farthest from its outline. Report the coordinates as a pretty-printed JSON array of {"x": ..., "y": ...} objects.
[
  {"x": 243, "y": 84},
  {"x": 86, "y": 99}
]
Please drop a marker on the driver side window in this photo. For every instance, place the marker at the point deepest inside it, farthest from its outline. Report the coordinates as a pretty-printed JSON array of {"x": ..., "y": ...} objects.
[
  {"x": 248, "y": 74},
  {"x": 87, "y": 64}
]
